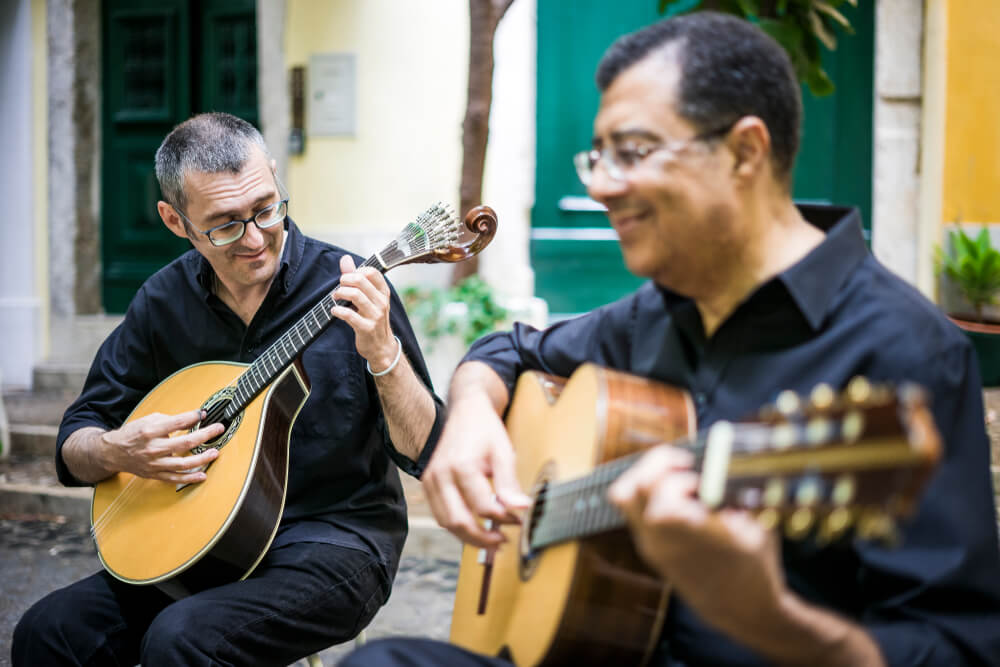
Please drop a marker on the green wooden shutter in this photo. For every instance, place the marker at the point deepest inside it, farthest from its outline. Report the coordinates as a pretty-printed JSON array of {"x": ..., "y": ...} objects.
[
  {"x": 163, "y": 60},
  {"x": 146, "y": 92}
]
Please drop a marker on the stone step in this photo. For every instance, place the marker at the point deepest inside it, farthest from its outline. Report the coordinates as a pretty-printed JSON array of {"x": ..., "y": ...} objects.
[
  {"x": 33, "y": 440},
  {"x": 60, "y": 376},
  {"x": 36, "y": 499},
  {"x": 76, "y": 339},
  {"x": 37, "y": 407}
]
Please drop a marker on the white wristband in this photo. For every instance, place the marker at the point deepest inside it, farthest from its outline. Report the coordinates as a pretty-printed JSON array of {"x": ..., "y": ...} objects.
[{"x": 399, "y": 353}]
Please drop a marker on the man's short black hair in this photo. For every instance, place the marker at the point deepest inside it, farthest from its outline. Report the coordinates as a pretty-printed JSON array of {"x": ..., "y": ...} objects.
[{"x": 729, "y": 68}]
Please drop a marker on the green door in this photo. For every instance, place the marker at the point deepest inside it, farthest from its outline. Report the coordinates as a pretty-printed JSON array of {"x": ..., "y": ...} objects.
[
  {"x": 162, "y": 61},
  {"x": 574, "y": 251}
]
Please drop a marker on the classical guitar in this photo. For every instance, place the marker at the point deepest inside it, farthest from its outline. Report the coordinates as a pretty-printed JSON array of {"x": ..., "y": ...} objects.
[
  {"x": 568, "y": 586},
  {"x": 185, "y": 538}
]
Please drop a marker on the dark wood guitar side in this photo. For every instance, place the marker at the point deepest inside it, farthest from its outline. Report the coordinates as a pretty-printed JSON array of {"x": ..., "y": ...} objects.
[{"x": 568, "y": 587}]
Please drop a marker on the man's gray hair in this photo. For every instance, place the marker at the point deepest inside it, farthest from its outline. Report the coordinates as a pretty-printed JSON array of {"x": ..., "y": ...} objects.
[{"x": 210, "y": 143}]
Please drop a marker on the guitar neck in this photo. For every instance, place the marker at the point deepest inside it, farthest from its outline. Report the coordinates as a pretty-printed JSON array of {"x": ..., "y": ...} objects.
[
  {"x": 293, "y": 342},
  {"x": 579, "y": 507},
  {"x": 820, "y": 465}
]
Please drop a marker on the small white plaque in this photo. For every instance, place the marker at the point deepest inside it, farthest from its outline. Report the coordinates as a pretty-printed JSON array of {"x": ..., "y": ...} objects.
[{"x": 332, "y": 94}]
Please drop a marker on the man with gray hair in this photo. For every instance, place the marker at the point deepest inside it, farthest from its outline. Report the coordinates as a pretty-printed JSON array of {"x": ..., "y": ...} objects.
[{"x": 250, "y": 276}]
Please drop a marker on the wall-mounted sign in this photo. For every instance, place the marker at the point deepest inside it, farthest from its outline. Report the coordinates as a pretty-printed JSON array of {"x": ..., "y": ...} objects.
[{"x": 332, "y": 94}]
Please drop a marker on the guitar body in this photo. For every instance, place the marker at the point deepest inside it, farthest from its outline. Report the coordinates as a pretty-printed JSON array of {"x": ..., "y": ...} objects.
[
  {"x": 187, "y": 539},
  {"x": 589, "y": 601}
]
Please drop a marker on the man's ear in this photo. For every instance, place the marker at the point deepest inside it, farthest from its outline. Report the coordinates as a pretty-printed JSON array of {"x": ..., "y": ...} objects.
[
  {"x": 750, "y": 143},
  {"x": 172, "y": 220}
]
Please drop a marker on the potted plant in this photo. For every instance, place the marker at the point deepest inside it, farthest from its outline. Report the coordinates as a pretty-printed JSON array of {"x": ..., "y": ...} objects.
[{"x": 972, "y": 266}]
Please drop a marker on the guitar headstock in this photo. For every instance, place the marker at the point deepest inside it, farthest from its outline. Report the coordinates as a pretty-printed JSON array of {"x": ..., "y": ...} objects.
[
  {"x": 437, "y": 235},
  {"x": 827, "y": 464}
]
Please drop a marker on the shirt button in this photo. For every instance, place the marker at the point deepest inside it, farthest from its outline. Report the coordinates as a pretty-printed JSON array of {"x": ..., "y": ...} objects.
[{"x": 700, "y": 399}]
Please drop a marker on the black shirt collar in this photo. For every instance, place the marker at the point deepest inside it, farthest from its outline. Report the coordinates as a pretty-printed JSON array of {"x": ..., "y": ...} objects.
[{"x": 813, "y": 281}]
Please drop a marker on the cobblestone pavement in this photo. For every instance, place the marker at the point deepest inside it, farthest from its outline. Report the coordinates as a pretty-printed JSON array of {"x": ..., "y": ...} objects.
[{"x": 41, "y": 554}]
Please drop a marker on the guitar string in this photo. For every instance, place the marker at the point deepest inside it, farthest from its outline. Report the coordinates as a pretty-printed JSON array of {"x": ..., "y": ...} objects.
[
  {"x": 131, "y": 489},
  {"x": 429, "y": 231},
  {"x": 433, "y": 229},
  {"x": 561, "y": 516}
]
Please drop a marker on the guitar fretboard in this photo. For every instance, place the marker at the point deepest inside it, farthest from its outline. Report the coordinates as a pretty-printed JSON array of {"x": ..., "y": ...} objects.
[
  {"x": 579, "y": 507},
  {"x": 417, "y": 238}
]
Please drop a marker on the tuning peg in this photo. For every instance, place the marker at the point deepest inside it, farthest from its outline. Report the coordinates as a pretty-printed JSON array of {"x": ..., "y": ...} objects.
[
  {"x": 800, "y": 523},
  {"x": 774, "y": 492},
  {"x": 822, "y": 396},
  {"x": 835, "y": 525},
  {"x": 788, "y": 403},
  {"x": 819, "y": 430},
  {"x": 852, "y": 426},
  {"x": 808, "y": 492},
  {"x": 843, "y": 491},
  {"x": 859, "y": 390},
  {"x": 877, "y": 525},
  {"x": 768, "y": 518},
  {"x": 784, "y": 435}
]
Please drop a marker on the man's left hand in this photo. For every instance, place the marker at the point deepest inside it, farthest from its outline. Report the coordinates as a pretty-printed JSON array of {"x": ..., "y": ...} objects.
[
  {"x": 368, "y": 291},
  {"x": 724, "y": 564}
]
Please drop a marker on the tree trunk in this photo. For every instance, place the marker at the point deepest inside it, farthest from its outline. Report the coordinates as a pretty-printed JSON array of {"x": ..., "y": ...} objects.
[{"x": 484, "y": 16}]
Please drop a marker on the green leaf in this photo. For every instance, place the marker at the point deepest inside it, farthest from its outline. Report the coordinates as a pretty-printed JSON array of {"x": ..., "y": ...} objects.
[
  {"x": 828, "y": 9},
  {"x": 750, "y": 8},
  {"x": 819, "y": 83},
  {"x": 786, "y": 33},
  {"x": 973, "y": 265},
  {"x": 820, "y": 31}
]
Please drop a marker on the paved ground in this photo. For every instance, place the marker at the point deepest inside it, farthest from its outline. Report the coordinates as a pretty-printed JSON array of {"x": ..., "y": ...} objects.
[{"x": 40, "y": 553}]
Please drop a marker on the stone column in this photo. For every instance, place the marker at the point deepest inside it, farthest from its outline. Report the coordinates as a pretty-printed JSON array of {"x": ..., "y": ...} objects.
[
  {"x": 74, "y": 158},
  {"x": 896, "y": 238}
]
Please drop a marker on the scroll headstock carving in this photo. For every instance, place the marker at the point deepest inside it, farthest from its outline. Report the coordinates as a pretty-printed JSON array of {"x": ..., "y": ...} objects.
[{"x": 480, "y": 221}]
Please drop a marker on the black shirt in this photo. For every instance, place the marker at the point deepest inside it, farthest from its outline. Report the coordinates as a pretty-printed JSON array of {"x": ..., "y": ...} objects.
[
  {"x": 835, "y": 314},
  {"x": 342, "y": 485}
]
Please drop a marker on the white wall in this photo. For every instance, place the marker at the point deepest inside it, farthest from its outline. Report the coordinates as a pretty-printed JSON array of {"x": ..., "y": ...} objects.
[{"x": 20, "y": 334}]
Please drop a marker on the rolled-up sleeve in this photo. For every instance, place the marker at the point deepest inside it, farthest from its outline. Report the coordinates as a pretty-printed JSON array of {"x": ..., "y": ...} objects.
[
  {"x": 600, "y": 336},
  {"x": 122, "y": 373}
]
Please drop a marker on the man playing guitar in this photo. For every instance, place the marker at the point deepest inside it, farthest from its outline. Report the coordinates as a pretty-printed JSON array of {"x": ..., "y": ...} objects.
[
  {"x": 692, "y": 154},
  {"x": 250, "y": 275}
]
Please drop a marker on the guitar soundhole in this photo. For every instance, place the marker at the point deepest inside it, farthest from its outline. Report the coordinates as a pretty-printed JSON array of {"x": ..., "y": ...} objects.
[{"x": 215, "y": 409}]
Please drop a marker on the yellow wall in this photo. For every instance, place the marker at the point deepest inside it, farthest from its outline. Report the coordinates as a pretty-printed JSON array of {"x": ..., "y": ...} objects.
[
  {"x": 971, "y": 175},
  {"x": 410, "y": 89}
]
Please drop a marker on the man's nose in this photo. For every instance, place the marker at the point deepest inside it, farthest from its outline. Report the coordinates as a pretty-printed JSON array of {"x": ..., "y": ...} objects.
[
  {"x": 603, "y": 185},
  {"x": 252, "y": 235}
]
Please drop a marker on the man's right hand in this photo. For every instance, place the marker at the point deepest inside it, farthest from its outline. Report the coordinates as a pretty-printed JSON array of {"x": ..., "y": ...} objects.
[
  {"x": 145, "y": 448},
  {"x": 473, "y": 450}
]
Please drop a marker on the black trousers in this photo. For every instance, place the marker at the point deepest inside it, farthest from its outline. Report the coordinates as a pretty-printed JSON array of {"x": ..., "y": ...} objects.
[
  {"x": 301, "y": 598},
  {"x": 407, "y": 652}
]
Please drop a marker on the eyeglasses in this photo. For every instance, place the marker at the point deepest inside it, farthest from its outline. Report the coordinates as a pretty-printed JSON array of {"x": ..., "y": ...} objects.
[
  {"x": 619, "y": 160},
  {"x": 232, "y": 231}
]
